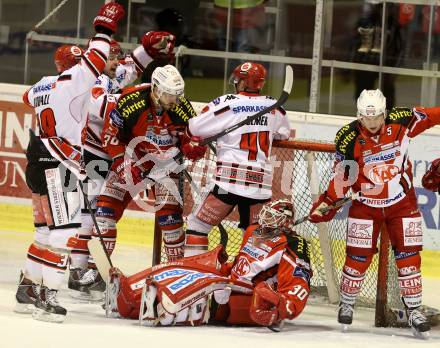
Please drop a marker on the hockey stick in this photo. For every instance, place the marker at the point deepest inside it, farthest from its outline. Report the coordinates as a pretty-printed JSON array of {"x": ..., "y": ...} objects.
[
  {"x": 97, "y": 246},
  {"x": 288, "y": 83},
  {"x": 335, "y": 205}
]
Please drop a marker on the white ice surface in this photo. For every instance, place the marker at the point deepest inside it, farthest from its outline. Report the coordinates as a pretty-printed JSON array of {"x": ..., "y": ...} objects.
[{"x": 86, "y": 325}]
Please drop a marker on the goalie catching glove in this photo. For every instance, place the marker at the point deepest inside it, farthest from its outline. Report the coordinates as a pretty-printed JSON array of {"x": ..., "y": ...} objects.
[
  {"x": 159, "y": 44},
  {"x": 431, "y": 179},
  {"x": 269, "y": 307},
  {"x": 317, "y": 215}
]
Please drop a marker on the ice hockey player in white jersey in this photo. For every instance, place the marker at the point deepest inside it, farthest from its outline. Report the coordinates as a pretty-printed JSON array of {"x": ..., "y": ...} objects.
[
  {"x": 244, "y": 173},
  {"x": 118, "y": 73},
  {"x": 59, "y": 103}
]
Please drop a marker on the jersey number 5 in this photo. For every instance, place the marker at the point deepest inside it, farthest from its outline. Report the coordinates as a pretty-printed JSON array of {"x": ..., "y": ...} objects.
[{"x": 251, "y": 141}]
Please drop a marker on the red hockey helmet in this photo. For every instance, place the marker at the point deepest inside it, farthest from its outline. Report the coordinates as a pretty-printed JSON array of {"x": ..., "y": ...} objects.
[
  {"x": 67, "y": 56},
  {"x": 253, "y": 74},
  {"x": 274, "y": 217}
]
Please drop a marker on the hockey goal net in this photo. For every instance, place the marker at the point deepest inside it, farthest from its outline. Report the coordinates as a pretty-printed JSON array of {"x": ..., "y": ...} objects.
[{"x": 302, "y": 170}]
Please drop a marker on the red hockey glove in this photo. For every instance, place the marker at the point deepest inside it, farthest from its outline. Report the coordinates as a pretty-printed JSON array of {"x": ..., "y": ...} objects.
[
  {"x": 431, "y": 179},
  {"x": 268, "y": 306},
  {"x": 128, "y": 171},
  {"x": 159, "y": 43},
  {"x": 108, "y": 17},
  {"x": 316, "y": 216},
  {"x": 192, "y": 150}
]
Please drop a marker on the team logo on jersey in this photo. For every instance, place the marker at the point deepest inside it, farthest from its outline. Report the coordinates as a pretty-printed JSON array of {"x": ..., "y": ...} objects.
[
  {"x": 383, "y": 173},
  {"x": 361, "y": 141},
  {"x": 242, "y": 267},
  {"x": 216, "y": 101},
  {"x": 360, "y": 233},
  {"x": 302, "y": 273},
  {"x": 339, "y": 157}
]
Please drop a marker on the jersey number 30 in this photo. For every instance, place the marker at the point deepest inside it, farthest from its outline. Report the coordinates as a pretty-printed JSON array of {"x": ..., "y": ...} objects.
[{"x": 251, "y": 141}]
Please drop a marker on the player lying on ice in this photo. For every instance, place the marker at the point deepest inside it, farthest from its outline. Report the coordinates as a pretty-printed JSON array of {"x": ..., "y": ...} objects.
[
  {"x": 372, "y": 158},
  {"x": 267, "y": 282}
]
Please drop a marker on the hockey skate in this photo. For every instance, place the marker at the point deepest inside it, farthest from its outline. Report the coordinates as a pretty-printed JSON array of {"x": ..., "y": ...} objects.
[
  {"x": 26, "y": 295},
  {"x": 92, "y": 283},
  {"x": 76, "y": 290},
  {"x": 345, "y": 315},
  {"x": 47, "y": 307},
  {"x": 366, "y": 39},
  {"x": 418, "y": 323}
]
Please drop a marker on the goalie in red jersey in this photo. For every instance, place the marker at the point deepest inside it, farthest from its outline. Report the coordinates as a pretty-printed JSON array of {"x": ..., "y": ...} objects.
[
  {"x": 267, "y": 282},
  {"x": 372, "y": 158}
]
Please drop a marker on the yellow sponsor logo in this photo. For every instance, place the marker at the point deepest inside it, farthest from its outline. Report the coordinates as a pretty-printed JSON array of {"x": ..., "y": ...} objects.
[
  {"x": 397, "y": 114},
  {"x": 128, "y": 110},
  {"x": 348, "y": 138}
]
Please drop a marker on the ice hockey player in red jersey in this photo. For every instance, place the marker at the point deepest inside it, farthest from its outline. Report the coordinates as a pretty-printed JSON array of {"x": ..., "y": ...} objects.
[
  {"x": 372, "y": 157},
  {"x": 267, "y": 282},
  {"x": 142, "y": 135},
  {"x": 119, "y": 72},
  {"x": 244, "y": 173},
  {"x": 431, "y": 179},
  {"x": 55, "y": 164}
]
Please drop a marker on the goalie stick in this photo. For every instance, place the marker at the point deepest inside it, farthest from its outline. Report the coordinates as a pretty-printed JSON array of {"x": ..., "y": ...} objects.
[
  {"x": 288, "y": 83},
  {"x": 97, "y": 246}
]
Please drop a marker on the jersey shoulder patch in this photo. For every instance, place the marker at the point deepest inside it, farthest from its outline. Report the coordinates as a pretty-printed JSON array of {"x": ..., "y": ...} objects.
[
  {"x": 401, "y": 116},
  {"x": 345, "y": 139},
  {"x": 181, "y": 113},
  {"x": 133, "y": 101}
]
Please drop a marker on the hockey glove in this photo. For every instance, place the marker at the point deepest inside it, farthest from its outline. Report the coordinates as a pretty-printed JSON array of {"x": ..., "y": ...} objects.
[
  {"x": 431, "y": 179},
  {"x": 268, "y": 306},
  {"x": 128, "y": 171},
  {"x": 192, "y": 150},
  {"x": 108, "y": 18},
  {"x": 159, "y": 44},
  {"x": 316, "y": 215}
]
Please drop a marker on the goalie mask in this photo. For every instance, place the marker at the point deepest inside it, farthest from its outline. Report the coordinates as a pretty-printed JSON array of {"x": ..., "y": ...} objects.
[
  {"x": 67, "y": 56},
  {"x": 253, "y": 76},
  {"x": 274, "y": 218},
  {"x": 167, "y": 85}
]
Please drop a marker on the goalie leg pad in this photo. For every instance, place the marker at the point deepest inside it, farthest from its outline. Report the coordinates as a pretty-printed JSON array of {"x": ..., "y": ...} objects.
[{"x": 352, "y": 278}]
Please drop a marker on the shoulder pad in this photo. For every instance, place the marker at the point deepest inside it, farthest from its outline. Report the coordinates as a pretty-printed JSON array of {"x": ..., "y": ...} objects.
[
  {"x": 183, "y": 112},
  {"x": 133, "y": 100},
  {"x": 299, "y": 246},
  {"x": 345, "y": 138},
  {"x": 399, "y": 115}
]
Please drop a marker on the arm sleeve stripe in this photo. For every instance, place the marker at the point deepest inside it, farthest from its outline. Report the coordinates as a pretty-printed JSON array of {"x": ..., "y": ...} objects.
[
  {"x": 91, "y": 67},
  {"x": 222, "y": 110},
  {"x": 103, "y": 108},
  {"x": 100, "y": 54},
  {"x": 139, "y": 66}
]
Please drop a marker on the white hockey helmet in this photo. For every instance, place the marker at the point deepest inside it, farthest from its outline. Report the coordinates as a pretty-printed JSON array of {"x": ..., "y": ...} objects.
[
  {"x": 168, "y": 80},
  {"x": 371, "y": 103}
]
